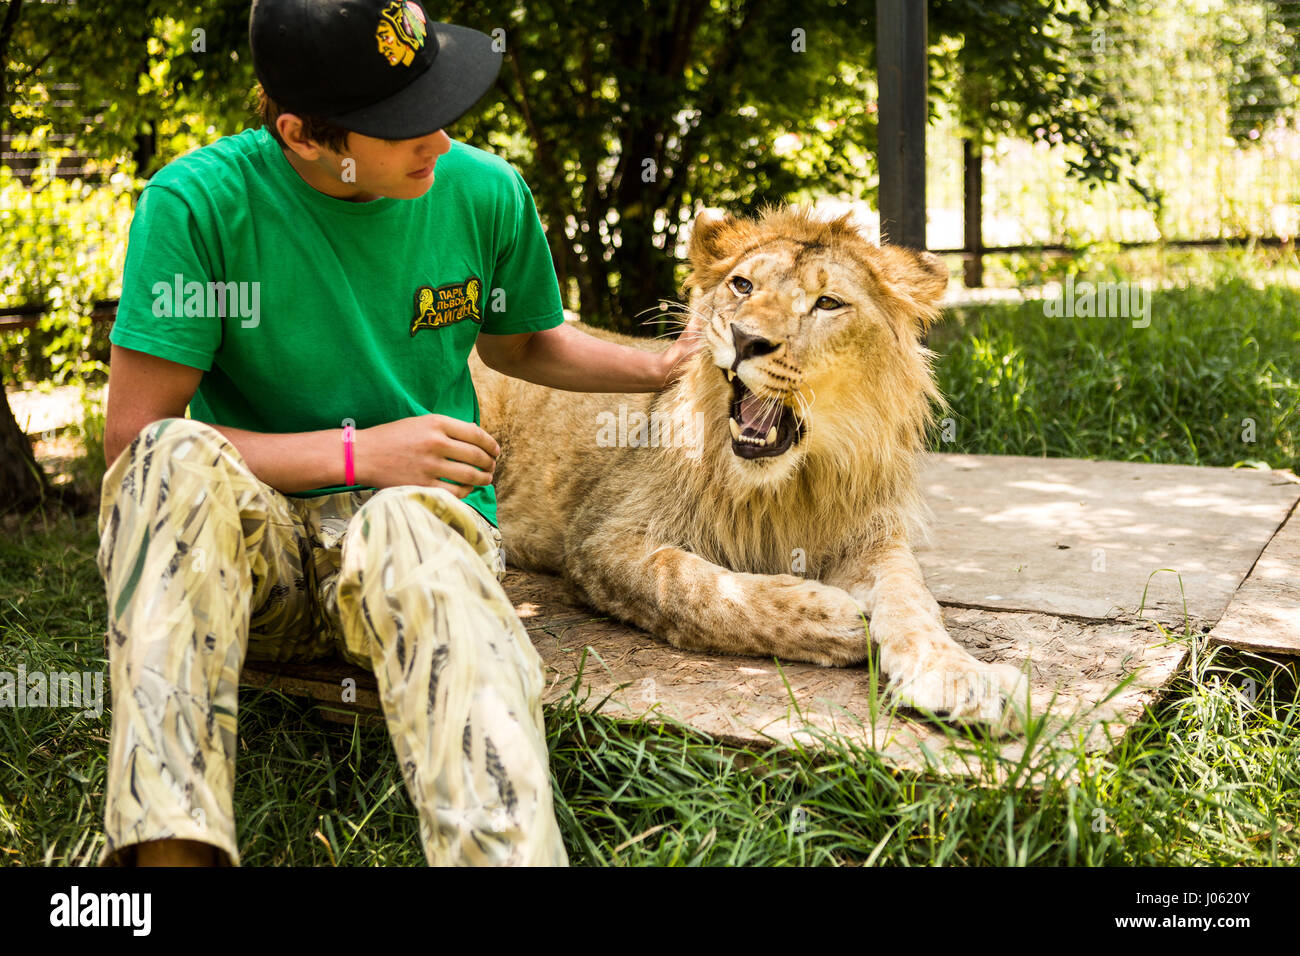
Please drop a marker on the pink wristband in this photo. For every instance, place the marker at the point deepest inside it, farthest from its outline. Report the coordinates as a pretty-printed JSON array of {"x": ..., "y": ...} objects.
[{"x": 348, "y": 474}]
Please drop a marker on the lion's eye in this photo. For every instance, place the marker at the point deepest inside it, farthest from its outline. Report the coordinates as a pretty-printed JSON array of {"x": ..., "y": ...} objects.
[
  {"x": 741, "y": 286},
  {"x": 828, "y": 304}
]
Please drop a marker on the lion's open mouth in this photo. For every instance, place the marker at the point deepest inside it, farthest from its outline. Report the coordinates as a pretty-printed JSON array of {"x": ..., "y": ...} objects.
[{"x": 760, "y": 428}]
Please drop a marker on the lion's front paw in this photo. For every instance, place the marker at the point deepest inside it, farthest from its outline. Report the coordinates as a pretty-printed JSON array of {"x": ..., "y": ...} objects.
[
  {"x": 785, "y": 616},
  {"x": 965, "y": 689},
  {"x": 824, "y": 625}
]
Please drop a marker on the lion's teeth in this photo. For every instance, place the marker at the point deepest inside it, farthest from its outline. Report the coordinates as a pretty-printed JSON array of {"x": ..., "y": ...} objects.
[
  {"x": 730, "y": 375},
  {"x": 768, "y": 439}
]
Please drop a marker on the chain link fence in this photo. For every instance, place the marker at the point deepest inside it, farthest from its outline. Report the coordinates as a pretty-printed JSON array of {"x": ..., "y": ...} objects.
[{"x": 1212, "y": 89}]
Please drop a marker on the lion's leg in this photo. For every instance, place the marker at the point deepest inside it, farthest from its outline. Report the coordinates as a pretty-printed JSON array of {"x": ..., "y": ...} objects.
[
  {"x": 925, "y": 666},
  {"x": 697, "y": 605}
]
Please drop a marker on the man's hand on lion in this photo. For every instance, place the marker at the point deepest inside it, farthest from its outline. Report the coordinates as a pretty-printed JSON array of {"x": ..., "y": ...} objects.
[{"x": 687, "y": 344}]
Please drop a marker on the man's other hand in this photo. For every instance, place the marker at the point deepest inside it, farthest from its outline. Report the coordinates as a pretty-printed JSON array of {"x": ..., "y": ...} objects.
[{"x": 423, "y": 450}]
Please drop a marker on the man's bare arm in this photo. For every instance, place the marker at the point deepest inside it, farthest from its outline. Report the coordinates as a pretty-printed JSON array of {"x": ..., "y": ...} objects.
[
  {"x": 569, "y": 359},
  {"x": 421, "y": 450},
  {"x": 144, "y": 388}
]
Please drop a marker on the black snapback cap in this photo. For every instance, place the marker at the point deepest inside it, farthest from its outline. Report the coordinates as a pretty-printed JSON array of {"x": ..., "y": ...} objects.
[{"x": 375, "y": 67}]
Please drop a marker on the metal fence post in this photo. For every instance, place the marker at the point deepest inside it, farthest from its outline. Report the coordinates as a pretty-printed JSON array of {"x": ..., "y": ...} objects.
[{"x": 901, "y": 77}]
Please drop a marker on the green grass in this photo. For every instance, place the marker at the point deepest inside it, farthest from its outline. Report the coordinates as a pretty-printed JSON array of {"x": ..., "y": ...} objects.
[
  {"x": 1210, "y": 775},
  {"x": 1021, "y": 383}
]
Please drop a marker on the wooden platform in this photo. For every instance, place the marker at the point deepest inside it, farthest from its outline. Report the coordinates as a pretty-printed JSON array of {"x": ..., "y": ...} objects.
[
  {"x": 1074, "y": 565},
  {"x": 1264, "y": 614}
]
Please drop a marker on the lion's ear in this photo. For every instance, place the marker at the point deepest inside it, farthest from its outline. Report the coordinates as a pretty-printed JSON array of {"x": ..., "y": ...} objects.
[
  {"x": 708, "y": 237},
  {"x": 916, "y": 278}
]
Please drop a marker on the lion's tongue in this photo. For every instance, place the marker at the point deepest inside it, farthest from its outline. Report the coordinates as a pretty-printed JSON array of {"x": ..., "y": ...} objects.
[{"x": 752, "y": 419}]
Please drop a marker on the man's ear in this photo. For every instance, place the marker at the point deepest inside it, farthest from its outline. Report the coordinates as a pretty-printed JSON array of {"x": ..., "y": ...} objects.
[
  {"x": 289, "y": 127},
  {"x": 708, "y": 237},
  {"x": 915, "y": 278}
]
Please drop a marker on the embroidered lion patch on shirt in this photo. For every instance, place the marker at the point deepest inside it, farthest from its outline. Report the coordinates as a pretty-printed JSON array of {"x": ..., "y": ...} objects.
[{"x": 446, "y": 304}]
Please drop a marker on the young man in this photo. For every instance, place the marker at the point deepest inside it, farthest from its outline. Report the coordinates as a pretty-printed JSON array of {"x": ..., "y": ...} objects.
[{"x": 311, "y": 291}]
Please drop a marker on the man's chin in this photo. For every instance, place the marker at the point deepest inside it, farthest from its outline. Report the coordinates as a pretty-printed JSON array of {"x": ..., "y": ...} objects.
[{"x": 417, "y": 187}]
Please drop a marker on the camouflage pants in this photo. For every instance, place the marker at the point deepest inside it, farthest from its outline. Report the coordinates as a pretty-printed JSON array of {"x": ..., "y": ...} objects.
[{"x": 205, "y": 565}]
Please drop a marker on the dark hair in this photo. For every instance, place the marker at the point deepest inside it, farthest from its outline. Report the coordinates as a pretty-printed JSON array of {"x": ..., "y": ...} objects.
[{"x": 320, "y": 131}]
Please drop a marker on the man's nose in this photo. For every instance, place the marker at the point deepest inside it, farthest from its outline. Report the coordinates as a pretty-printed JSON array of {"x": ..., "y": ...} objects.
[{"x": 434, "y": 145}]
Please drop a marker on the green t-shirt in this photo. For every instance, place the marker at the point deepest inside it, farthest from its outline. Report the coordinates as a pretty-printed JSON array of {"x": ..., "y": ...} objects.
[{"x": 304, "y": 310}]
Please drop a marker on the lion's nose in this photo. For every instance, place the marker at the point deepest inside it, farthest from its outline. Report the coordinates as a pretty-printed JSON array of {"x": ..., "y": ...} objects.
[{"x": 749, "y": 345}]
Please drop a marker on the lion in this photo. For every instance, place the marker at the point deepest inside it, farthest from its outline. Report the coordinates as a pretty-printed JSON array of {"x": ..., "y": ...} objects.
[{"x": 781, "y": 523}]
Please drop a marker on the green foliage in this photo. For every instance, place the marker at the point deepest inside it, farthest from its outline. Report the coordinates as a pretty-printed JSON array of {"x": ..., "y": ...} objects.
[
  {"x": 130, "y": 74},
  {"x": 627, "y": 118},
  {"x": 1024, "y": 69},
  {"x": 87, "y": 470},
  {"x": 125, "y": 80},
  {"x": 1263, "y": 47},
  {"x": 62, "y": 243}
]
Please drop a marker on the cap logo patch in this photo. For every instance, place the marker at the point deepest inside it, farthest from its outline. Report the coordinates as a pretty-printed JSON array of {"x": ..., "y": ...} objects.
[
  {"x": 401, "y": 31},
  {"x": 446, "y": 304}
]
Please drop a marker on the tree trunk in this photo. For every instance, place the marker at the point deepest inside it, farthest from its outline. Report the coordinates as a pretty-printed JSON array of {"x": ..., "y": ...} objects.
[
  {"x": 901, "y": 64},
  {"x": 23, "y": 484},
  {"x": 645, "y": 275},
  {"x": 972, "y": 210},
  {"x": 146, "y": 148}
]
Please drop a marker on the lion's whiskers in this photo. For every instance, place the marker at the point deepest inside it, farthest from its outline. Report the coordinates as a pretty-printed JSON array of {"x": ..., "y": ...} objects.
[
  {"x": 802, "y": 413},
  {"x": 673, "y": 316}
]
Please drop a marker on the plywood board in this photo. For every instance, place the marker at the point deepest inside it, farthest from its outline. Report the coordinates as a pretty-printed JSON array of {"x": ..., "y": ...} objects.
[
  {"x": 1265, "y": 612},
  {"x": 1076, "y": 665},
  {"x": 751, "y": 702},
  {"x": 1084, "y": 538}
]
